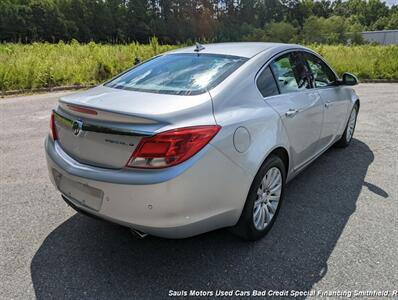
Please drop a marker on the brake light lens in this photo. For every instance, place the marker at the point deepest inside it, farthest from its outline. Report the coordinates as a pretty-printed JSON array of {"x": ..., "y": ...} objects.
[
  {"x": 53, "y": 129},
  {"x": 171, "y": 147},
  {"x": 82, "y": 110}
]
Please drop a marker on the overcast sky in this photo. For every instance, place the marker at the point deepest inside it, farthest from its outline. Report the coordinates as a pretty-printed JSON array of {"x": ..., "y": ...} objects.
[{"x": 391, "y": 2}]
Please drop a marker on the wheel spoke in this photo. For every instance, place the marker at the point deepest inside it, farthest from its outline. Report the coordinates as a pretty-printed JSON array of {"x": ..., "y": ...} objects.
[
  {"x": 272, "y": 182},
  {"x": 257, "y": 219},
  {"x": 269, "y": 214},
  {"x": 274, "y": 198},
  {"x": 257, "y": 206},
  {"x": 272, "y": 207},
  {"x": 265, "y": 181},
  {"x": 276, "y": 189},
  {"x": 257, "y": 216},
  {"x": 275, "y": 177},
  {"x": 263, "y": 215}
]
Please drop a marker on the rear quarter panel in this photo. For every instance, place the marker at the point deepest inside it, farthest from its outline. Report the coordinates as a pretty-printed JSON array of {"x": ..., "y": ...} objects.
[{"x": 238, "y": 103}]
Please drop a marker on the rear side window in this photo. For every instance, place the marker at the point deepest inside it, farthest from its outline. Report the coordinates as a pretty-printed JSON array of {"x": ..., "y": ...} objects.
[
  {"x": 291, "y": 73},
  {"x": 322, "y": 75},
  {"x": 266, "y": 83},
  {"x": 178, "y": 74}
]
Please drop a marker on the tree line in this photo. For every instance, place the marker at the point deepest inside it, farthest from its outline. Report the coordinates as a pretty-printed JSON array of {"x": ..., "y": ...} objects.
[{"x": 186, "y": 21}]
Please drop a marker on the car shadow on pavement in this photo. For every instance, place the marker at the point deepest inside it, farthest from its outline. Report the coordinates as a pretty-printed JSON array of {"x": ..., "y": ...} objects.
[{"x": 87, "y": 258}]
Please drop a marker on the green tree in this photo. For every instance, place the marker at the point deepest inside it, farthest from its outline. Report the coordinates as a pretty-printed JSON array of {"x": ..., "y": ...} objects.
[
  {"x": 367, "y": 12},
  {"x": 14, "y": 21},
  {"x": 331, "y": 30},
  {"x": 322, "y": 8},
  {"x": 179, "y": 21},
  {"x": 393, "y": 22},
  {"x": 279, "y": 32}
]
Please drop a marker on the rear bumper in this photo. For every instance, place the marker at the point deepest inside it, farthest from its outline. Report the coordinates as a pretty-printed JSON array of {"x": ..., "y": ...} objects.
[{"x": 202, "y": 194}]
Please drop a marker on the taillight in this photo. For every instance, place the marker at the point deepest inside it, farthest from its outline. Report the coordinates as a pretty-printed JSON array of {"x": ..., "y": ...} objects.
[
  {"x": 171, "y": 147},
  {"x": 53, "y": 129},
  {"x": 81, "y": 109}
]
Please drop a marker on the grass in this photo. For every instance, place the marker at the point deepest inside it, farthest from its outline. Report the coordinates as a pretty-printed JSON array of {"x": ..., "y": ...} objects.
[
  {"x": 365, "y": 61},
  {"x": 48, "y": 65}
]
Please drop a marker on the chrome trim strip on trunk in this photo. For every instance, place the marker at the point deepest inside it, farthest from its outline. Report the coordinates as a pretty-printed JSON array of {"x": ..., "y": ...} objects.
[{"x": 88, "y": 126}]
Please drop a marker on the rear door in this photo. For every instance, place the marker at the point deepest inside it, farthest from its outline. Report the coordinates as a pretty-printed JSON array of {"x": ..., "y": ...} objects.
[
  {"x": 298, "y": 105},
  {"x": 334, "y": 98}
]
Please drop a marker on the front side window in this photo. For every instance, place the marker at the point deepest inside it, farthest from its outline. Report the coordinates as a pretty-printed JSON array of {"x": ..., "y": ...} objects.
[
  {"x": 178, "y": 74},
  {"x": 321, "y": 73},
  {"x": 291, "y": 73},
  {"x": 266, "y": 83}
]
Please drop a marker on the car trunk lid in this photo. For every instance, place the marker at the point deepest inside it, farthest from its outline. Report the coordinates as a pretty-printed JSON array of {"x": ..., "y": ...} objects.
[{"x": 103, "y": 126}]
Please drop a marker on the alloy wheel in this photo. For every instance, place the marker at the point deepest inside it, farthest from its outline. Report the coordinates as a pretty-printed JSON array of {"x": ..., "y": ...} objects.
[{"x": 267, "y": 200}]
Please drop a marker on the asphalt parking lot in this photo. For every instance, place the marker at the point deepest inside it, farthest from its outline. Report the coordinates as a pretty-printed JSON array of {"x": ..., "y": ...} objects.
[{"x": 337, "y": 230}]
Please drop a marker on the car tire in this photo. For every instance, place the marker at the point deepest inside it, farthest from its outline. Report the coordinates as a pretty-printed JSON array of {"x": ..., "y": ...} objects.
[
  {"x": 247, "y": 227},
  {"x": 346, "y": 138}
]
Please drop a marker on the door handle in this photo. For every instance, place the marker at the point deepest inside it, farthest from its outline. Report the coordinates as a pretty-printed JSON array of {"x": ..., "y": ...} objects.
[
  {"x": 327, "y": 104},
  {"x": 291, "y": 113}
]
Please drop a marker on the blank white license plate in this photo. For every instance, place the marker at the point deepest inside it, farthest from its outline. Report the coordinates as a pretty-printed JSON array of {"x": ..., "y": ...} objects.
[{"x": 84, "y": 194}]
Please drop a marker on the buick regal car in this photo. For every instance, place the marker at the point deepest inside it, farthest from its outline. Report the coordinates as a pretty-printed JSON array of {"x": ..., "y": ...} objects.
[{"x": 199, "y": 138}]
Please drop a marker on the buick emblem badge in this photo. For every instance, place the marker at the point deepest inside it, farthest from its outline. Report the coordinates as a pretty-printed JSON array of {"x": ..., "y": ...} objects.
[{"x": 77, "y": 127}]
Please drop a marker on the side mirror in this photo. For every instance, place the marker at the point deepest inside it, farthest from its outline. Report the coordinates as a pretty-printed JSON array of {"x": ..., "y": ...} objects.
[{"x": 349, "y": 79}]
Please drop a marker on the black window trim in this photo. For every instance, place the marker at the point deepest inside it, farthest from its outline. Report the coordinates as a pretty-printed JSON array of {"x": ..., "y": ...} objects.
[
  {"x": 276, "y": 82},
  {"x": 273, "y": 77}
]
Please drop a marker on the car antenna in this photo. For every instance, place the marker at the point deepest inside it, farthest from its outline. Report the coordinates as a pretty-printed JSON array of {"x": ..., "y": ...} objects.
[{"x": 198, "y": 47}]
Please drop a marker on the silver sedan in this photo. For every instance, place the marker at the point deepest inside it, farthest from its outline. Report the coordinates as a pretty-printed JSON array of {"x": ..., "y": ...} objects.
[{"x": 199, "y": 138}]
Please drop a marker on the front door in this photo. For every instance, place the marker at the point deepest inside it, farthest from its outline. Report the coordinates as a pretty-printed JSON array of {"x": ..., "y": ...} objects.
[{"x": 335, "y": 99}]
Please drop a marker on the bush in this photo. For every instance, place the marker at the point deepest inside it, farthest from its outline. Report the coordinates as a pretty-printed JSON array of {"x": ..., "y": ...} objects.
[
  {"x": 365, "y": 61},
  {"x": 48, "y": 65}
]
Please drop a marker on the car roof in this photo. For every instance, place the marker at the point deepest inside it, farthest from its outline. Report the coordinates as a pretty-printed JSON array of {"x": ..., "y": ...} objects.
[{"x": 243, "y": 49}]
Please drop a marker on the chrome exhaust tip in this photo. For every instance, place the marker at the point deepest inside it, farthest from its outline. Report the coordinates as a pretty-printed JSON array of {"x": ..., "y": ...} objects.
[{"x": 138, "y": 234}]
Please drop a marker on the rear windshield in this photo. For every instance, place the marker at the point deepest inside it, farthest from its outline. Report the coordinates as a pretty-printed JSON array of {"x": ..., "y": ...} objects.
[{"x": 178, "y": 74}]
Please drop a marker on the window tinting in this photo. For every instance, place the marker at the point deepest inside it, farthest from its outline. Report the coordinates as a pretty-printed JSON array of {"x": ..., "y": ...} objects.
[
  {"x": 322, "y": 75},
  {"x": 266, "y": 83},
  {"x": 291, "y": 73},
  {"x": 178, "y": 74}
]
